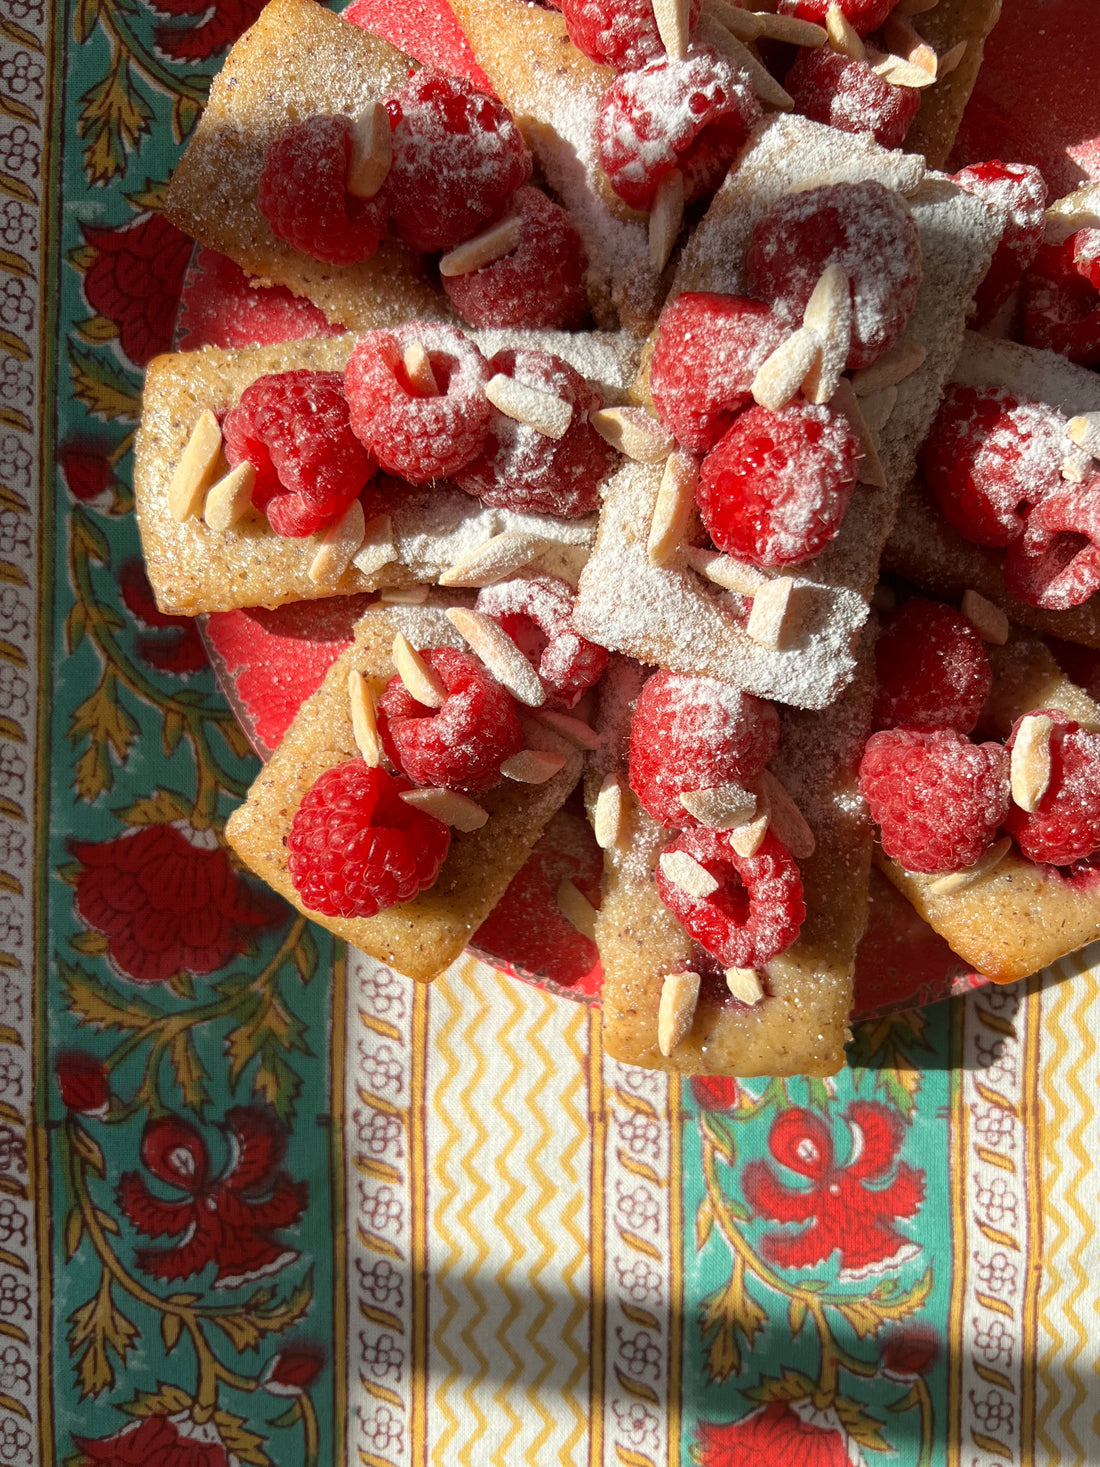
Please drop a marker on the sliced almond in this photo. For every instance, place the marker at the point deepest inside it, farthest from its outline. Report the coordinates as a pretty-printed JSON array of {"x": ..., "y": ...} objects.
[
  {"x": 497, "y": 559},
  {"x": 230, "y": 499},
  {"x": 421, "y": 374},
  {"x": 771, "y": 616},
  {"x": 1075, "y": 467},
  {"x": 576, "y": 908},
  {"x": 745, "y": 25},
  {"x": 500, "y": 654},
  {"x": 746, "y": 840},
  {"x": 403, "y": 595},
  {"x": 957, "y": 880},
  {"x": 876, "y": 408},
  {"x": 415, "y": 673},
  {"x": 724, "y": 807},
  {"x": 608, "y": 814},
  {"x": 1078, "y": 210},
  {"x": 666, "y": 214},
  {"x": 196, "y": 469},
  {"x": 341, "y": 540},
  {"x": 634, "y": 432},
  {"x": 673, "y": 19},
  {"x": 377, "y": 547},
  {"x": 574, "y": 729},
  {"x": 1084, "y": 430},
  {"x": 673, "y": 508},
  {"x": 989, "y": 620},
  {"x": 904, "y": 41},
  {"x": 901, "y": 73},
  {"x": 781, "y": 375},
  {"x": 687, "y": 874},
  {"x": 843, "y": 36},
  {"x": 676, "y": 1013},
  {"x": 532, "y": 766},
  {"x": 794, "y": 32},
  {"x": 829, "y": 314},
  {"x": 491, "y": 244},
  {"x": 449, "y": 806},
  {"x": 364, "y": 721},
  {"x": 1029, "y": 770},
  {"x": 547, "y": 414},
  {"x": 745, "y": 985},
  {"x": 711, "y": 32},
  {"x": 901, "y": 361},
  {"x": 785, "y": 818},
  {"x": 725, "y": 571},
  {"x": 371, "y": 152},
  {"x": 950, "y": 59},
  {"x": 870, "y": 469}
]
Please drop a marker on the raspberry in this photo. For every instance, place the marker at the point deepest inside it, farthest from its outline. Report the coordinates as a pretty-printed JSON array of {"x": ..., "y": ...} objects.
[
  {"x": 355, "y": 848},
  {"x": 757, "y": 910},
  {"x": 294, "y": 428},
  {"x": 863, "y": 227},
  {"x": 458, "y": 157},
  {"x": 1055, "y": 563},
  {"x": 932, "y": 668},
  {"x": 830, "y": 88},
  {"x": 1020, "y": 189},
  {"x": 651, "y": 120},
  {"x": 461, "y": 745},
  {"x": 415, "y": 435},
  {"x": 539, "y": 283},
  {"x": 1066, "y": 826},
  {"x": 303, "y": 193},
  {"x": 989, "y": 455},
  {"x": 937, "y": 798},
  {"x": 537, "y": 613},
  {"x": 520, "y": 468},
  {"x": 864, "y": 16},
  {"x": 1061, "y": 304},
  {"x": 775, "y": 489},
  {"x": 709, "y": 348},
  {"x": 694, "y": 733},
  {"x": 618, "y": 33}
]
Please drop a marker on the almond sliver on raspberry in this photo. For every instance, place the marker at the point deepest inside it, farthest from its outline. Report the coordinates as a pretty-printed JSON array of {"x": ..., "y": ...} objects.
[
  {"x": 415, "y": 673},
  {"x": 904, "y": 41},
  {"x": 746, "y": 840},
  {"x": 782, "y": 374},
  {"x": 843, "y": 36},
  {"x": 450, "y": 806},
  {"x": 371, "y": 152},
  {"x": 542, "y": 411},
  {"x": 1030, "y": 768},
  {"x": 746, "y": 25},
  {"x": 665, "y": 217},
  {"x": 532, "y": 766},
  {"x": 497, "y": 559},
  {"x": 341, "y": 540},
  {"x": 725, "y": 807},
  {"x": 711, "y": 32},
  {"x": 634, "y": 432},
  {"x": 230, "y": 499},
  {"x": 673, "y": 510},
  {"x": 828, "y": 313},
  {"x": 786, "y": 819},
  {"x": 673, "y": 19},
  {"x": 686, "y": 873},
  {"x": 418, "y": 365},
  {"x": 500, "y": 655},
  {"x": 500, "y": 239},
  {"x": 771, "y": 616},
  {"x": 792, "y": 31},
  {"x": 960, "y": 880},
  {"x": 574, "y": 729},
  {"x": 377, "y": 547},
  {"x": 990, "y": 620},
  {"x": 1084, "y": 430},
  {"x": 902, "y": 73}
]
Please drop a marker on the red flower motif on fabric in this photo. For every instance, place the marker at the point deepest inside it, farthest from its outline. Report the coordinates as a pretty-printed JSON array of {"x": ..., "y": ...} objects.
[
  {"x": 135, "y": 278},
  {"x": 228, "y": 1219},
  {"x": 224, "y": 22},
  {"x": 908, "y": 1353},
  {"x": 783, "y": 1434},
  {"x": 156, "y": 1441},
  {"x": 176, "y": 646},
  {"x": 293, "y": 1370},
  {"x": 842, "y": 1211},
  {"x": 168, "y": 901},
  {"x": 86, "y": 468},
  {"x": 82, "y": 1080},
  {"x": 715, "y": 1092}
]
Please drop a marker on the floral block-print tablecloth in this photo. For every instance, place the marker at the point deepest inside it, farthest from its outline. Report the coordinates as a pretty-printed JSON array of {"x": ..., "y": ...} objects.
[{"x": 261, "y": 1201}]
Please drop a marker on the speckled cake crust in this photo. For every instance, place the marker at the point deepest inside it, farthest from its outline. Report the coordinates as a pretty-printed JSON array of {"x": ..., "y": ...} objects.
[
  {"x": 422, "y": 937},
  {"x": 800, "y": 1027}
]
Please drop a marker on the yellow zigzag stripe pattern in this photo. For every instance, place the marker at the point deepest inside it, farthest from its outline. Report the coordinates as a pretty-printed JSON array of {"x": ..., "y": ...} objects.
[
  {"x": 509, "y": 1140},
  {"x": 1070, "y": 1206}
]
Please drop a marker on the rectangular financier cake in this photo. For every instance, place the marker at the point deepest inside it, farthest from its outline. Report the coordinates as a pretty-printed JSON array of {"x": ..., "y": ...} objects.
[
  {"x": 298, "y": 59},
  {"x": 668, "y": 614},
  {"x": 801, "y": 1024},
  {"x": 926, "y": 550},
  {"x": 193, "y": 568},
  {"x": 1020, "y": 916},
  {"x": 422, "y": 937}
]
